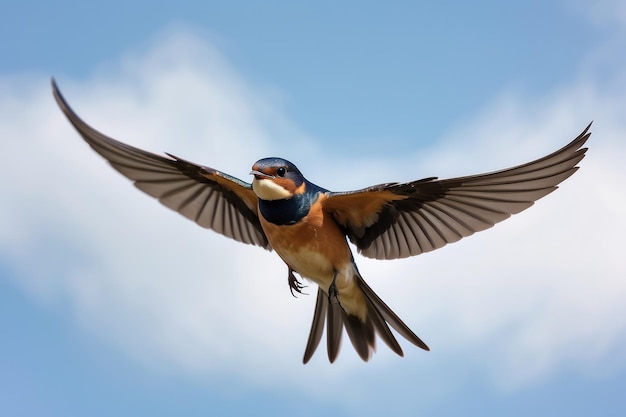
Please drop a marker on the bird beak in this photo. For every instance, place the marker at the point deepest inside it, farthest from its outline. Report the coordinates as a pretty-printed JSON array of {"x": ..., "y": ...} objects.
[{"x": 259, "y": 175}]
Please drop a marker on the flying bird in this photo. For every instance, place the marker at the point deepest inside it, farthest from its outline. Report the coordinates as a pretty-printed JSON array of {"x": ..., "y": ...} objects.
[{"x": 309, "y": 226}]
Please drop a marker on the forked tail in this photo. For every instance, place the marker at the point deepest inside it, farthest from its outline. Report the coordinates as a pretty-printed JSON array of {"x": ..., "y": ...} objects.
[{"x": 362, "y": 334}]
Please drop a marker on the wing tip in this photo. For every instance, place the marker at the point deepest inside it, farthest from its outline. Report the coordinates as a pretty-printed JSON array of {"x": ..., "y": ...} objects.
[
  {"x": 57, "y": 94},
  {"x": 71, "y": 115}
]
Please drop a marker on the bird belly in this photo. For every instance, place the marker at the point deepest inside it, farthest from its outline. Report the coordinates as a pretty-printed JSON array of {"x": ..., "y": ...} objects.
[
  {"x": 309, "y": 251},
  {"x": 314, "y": 246},
  {"x": 309, "y": 263},
  {"x": 319, "y": 252}
]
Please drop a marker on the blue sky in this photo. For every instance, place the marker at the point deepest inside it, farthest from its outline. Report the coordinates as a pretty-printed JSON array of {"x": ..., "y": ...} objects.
[{"x": 110, "y": 304}]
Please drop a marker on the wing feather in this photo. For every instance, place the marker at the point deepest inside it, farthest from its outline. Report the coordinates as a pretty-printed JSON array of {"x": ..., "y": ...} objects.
[
  {"x": 397, "y": 220},
  {"x": 210, "y": 198}
]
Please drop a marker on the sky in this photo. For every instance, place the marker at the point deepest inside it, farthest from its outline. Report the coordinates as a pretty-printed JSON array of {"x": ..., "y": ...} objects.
[{"x": 111, "y": 304}]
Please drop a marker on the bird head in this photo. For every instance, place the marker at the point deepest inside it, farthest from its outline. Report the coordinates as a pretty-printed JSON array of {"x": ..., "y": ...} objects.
[{"x": 276, "y": 179}]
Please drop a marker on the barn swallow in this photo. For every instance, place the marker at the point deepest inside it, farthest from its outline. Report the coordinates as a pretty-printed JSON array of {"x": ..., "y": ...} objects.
[{"x": 309, "y": 226}]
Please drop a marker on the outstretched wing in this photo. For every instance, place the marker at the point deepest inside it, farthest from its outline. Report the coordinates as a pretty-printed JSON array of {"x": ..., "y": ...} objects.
[
  {"x": 390, "y": 221},
  {"x": 210, "y": 198}
]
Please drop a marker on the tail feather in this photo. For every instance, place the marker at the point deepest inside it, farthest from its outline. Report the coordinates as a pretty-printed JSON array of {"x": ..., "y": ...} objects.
[
  {"x": 334, "y": 321},
  {"x": 317, "y": 327},
  {"x": 362, "y": 334},
  {"x": 382, "y": 329},
  {"x": 389, "y": 316}
]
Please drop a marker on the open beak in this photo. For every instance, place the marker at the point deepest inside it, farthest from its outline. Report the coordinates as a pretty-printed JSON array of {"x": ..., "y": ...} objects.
[{"x": 259, "y": 175}]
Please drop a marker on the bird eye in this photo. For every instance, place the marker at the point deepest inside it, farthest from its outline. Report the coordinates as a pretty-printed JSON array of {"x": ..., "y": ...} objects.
[{"x": 281, "y": 171}]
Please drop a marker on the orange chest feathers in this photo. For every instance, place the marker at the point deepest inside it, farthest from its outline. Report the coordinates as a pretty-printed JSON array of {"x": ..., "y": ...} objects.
[{"x": 314, "y": 246}]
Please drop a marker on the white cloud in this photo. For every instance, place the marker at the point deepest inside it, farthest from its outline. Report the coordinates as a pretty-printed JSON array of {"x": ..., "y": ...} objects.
[
  {"x": 604, "y": 13},
  {"x": 539, "y": 293}
]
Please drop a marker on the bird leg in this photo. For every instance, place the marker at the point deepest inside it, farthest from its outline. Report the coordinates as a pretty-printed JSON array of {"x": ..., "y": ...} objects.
[
  {"x": 294, "y": 284},
  {"x": 333, "y": 292}
]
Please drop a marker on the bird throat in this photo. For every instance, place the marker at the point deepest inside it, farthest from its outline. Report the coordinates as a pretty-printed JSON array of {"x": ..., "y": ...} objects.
[{"x": 266, "y": 189}]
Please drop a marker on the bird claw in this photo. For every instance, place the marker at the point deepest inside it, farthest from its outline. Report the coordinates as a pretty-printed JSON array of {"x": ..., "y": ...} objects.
[
  {"x": 295, "y": 285},
  {"x": 333, "y": 292}
]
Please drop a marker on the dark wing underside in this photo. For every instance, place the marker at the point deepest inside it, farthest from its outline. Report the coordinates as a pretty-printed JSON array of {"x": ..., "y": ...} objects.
[
  {"x": 210, "y": 198},
  {"x": 398, "y": 220}
]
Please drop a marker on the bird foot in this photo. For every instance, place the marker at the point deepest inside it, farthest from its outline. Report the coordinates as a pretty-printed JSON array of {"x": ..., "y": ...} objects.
[
  {"x": 333, "y": 292},
  {"x": 294, "y": 284}
]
